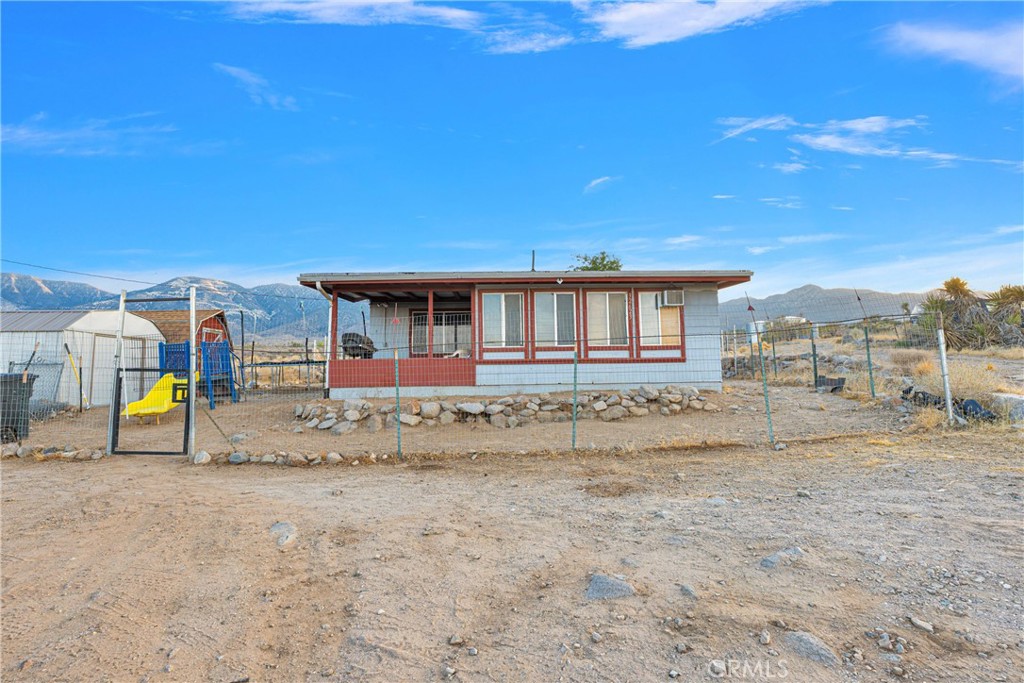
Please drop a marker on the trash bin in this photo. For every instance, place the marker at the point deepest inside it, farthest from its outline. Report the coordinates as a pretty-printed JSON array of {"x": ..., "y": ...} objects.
[{"x": 14, "y": 398}]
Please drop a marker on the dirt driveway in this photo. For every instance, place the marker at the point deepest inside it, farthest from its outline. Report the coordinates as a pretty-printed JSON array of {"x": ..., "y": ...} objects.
[{"x": 473, "y": 570}]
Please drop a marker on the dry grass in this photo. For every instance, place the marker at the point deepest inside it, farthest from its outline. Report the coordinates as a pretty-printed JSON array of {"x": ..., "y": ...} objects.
[
  {"x": 927, "y": 419},
  {"x": 966, "y": 380},
  {"x": 924, "y": 368},
  {"x": 907, "y": 360},
  {"x": 1000, "y": 352}
]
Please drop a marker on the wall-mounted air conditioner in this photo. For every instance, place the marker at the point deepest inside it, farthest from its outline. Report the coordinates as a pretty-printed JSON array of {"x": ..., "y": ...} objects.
[{"x": 672, "y": 297}]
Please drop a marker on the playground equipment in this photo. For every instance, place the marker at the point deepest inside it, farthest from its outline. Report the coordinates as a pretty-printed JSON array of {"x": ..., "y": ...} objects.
[
  {"x": 168, "y": 393},
  {"x": 216, "y": 376}
]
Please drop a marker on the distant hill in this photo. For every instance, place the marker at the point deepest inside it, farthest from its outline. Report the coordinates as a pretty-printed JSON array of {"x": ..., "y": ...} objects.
[
  {"x": 276, "y": 311},
  {"x": 818, "y": 305},
  {"x": 282, "y": 311},
  {"x": 19, "y": 292}
]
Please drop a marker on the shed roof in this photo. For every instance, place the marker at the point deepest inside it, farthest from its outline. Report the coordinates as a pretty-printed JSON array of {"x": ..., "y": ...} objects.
[
  {"x": 173, "y": 325},
  {"x": 39, "y": 321}
]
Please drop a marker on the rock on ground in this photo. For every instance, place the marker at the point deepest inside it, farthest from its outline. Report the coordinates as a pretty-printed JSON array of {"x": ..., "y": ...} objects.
[
  {"x": 284, "y": 532},
  {"x": 604, "y": 587},
  {"x": 811, "y": 647}
]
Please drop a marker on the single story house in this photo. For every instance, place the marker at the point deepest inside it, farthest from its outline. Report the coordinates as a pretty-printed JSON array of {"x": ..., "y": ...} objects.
[
  {"x": 90, "y": 338},
  {"x": 487, "y": 333}
]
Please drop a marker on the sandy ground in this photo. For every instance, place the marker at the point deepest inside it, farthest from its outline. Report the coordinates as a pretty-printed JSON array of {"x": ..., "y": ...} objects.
[
  {"x": 268, "y": 421},
  {"x": 149, "y": 569}
]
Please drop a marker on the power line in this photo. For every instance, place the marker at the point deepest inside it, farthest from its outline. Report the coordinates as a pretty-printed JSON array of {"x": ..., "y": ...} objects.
[{"x": 145, "y": 282}]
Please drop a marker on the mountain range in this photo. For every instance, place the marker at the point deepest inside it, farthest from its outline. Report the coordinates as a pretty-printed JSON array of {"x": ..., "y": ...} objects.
[{"x": 292, "y": 311}]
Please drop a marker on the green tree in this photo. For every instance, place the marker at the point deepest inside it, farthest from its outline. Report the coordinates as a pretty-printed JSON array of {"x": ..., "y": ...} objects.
[{"x": 602, "y": 260}]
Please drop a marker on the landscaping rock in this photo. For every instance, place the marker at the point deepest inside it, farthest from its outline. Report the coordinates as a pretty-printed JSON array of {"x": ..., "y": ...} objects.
[
  {"x": 429, "y": 410},
  {"x": 411, "y": 420},
  {"x": 499, "y": 420},
  {"x": 344, "y": 427},
  {"x": 312, "y": 423},
  {"x": 237, "y": 458},
  {"x": 352, "y": 415},
  {"x": 614, "y": 413},
  {"x": 202, "y": 457},
  {"x": 471, "y": 408},
  {"x": 374, "y": 423},
  {"x": 637, "y": 411},
  {"x": 649, "y": 392},
  {"x": 446, "y": 418},
  {"x": 269, "y": 459},
  {"x": 327, "y": 424},
  {"x": 599, "y": 406},
  {"x": 333, "y": 458}
]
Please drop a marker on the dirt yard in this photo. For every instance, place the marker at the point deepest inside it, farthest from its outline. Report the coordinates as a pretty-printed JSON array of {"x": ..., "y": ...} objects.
[{"x": 150, "y": 569}]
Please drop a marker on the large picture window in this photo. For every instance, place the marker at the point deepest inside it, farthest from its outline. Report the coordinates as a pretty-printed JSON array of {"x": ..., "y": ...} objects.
[
  {"x": 556, "y": 319},
  {"x": 503, "y": 320},
  {"x": 659, "y": 325},
  {"x": 607, "y": 319}
]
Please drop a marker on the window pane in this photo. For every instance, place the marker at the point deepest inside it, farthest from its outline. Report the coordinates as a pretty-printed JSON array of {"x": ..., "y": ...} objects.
[
  {"x": 545, "y": 304},
  {"x": 566, "y": 319},
  {"x": 513, "y": 320},
  {"x": 597, "y": 319},
  {"x": 650, "y": 332},
  {"x": 492, "y": 319},
  {"x": 419, "y": 333},
  {"x": 617, "y": 319}
]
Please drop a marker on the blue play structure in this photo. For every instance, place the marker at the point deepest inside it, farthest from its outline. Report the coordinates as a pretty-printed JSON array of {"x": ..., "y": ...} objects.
[{"x": 216, "y": 367}]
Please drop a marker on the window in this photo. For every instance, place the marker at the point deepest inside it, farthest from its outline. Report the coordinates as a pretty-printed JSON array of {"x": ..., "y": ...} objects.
[
  {"x": 556, "y": 319},
  {"x": 606, "y": 319},
  {"x": 659, "y": 325},
  {"x": 452, "y": 333},
  {"x": 503, "y": 320}
]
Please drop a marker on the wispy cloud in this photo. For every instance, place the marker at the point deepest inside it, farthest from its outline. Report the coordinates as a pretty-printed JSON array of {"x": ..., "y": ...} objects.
[
  {"x": 997, "y": 49},
  {"x": 841, "y": 208},
  {"x": 791, "y": 202},
  {"x": 1009, "y": 229},
  {"x": 872, "y": 136},
  {"x": 757, "y": 251},
  {"x": 357, "y": 13},
  {"x": 683, "y": 241},
  {"x": 599, "y": 183},
  {"x": 739, "y": 125},
  {"x": 118, "y": 136},
  {"x": 790, "y": 167},
  {"x": 257, "y": 87},
  {"x": 516, "y": 42},
  {"x": 723, "y": 196},
  {"x": 641, "y": 24},
  {"x": 813, "y": 238}
]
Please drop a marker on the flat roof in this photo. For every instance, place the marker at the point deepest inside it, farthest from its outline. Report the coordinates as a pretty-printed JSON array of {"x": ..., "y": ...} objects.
[{"x": 471, "y": 277}]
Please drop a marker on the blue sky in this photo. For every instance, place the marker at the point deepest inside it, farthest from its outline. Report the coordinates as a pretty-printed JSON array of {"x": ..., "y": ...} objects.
[{"x": 874, "y": 145}]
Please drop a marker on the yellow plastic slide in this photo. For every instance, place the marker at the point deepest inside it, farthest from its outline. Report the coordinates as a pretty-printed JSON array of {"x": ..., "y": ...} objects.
[{"x": 157, "y": 401}]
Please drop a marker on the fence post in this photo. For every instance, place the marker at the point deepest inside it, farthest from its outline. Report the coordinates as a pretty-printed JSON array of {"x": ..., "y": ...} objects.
[
  {"x": 941, "y": 333},
  {"x": 814, "y": 358},
  {"x": 575, "y": 378},
  {"x": 764, "y": 386},
  {"x": 398, "y": 408},
  {"x": 735, "y": 362},
  {"x": 871, "y": 373},
  {"x": 753, "y": 371},
  {"x": 775, "y": 361}
]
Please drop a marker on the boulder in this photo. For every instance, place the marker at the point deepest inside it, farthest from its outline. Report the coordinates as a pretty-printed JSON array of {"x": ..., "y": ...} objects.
[
  {"x": 327, "y": 424},
  {"x": 639, "y": 411},
  {"x": 344, "y": 427},
  {"x": 614, "y": 413},
  {"x": 499, "y": 420},
  {"x": 429, "y": 410},
  {"x": 604, "y": 587},
  {"x": 446, "y": 418},
  {"x": 237, "y": 458},
  {"x": 411, "y": 420},
  {"x": 352, "y": 415},
  {"x": 374, "y": 423},
  {"x": 473, "y": 408},
  {"x": 201, "y": 458},
  {"x": 599, "y": 406}
]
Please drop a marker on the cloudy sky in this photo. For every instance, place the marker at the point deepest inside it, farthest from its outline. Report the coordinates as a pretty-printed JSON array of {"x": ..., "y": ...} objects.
[{"x": 874, "y": 145}]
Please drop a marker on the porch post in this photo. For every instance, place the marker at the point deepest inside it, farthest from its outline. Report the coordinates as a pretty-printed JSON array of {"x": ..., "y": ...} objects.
[
  {"x": 430, "y": 323},
  {"x": 333, "y": 332}
]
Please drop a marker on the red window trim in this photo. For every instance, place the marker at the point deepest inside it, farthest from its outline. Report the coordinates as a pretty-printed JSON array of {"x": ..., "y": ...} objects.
[
  {"x": 417, "y": 311},
  {"x": 527, "y": 339}
]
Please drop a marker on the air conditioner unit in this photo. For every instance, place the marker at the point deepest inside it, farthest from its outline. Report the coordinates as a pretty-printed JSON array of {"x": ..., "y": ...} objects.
[{"x": 672, "y": 297}]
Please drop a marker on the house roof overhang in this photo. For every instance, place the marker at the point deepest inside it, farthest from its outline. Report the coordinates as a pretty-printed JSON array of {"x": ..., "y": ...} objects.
[{"x": 413, "y": 285}]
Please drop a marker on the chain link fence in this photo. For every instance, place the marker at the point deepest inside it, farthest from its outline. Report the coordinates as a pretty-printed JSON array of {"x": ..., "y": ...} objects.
[{"x": 391, "y": 386}]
